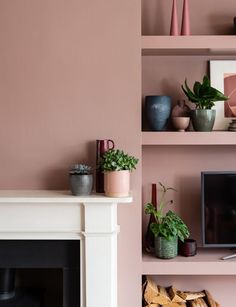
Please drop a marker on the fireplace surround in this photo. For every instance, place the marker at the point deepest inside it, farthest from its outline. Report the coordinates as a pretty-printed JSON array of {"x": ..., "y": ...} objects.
[{"x": 47, "y": 218}]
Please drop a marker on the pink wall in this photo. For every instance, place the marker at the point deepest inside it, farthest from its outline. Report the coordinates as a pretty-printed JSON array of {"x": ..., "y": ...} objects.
[
  {"x": 69, "y": 74},
  {"x": 206, "y": 17}
]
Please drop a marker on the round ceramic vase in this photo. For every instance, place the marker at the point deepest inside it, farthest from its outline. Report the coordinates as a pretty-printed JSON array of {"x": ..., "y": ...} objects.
[
  {"x": 203, "y": 120},
  {"x": 166, "y": 249},
  {"x": 157, "y": 110},
  {"x": 117, "y": 183},
  {"x": 81, "y": 185}
]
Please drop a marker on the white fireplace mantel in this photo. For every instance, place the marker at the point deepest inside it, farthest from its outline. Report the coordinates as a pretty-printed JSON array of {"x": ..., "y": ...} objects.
[{"x": 57, "y": 215}]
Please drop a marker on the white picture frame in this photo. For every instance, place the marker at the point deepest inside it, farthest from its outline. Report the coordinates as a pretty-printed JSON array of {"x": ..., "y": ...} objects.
[{"x": 218, "y": 69}]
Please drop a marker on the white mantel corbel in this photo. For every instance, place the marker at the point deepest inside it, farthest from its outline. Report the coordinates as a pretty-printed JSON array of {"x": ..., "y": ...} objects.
[{"x": 57, "y": 215}]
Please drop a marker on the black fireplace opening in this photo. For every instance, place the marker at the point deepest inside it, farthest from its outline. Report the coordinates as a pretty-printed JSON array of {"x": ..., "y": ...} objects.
[{"x": 39, "y": 273}]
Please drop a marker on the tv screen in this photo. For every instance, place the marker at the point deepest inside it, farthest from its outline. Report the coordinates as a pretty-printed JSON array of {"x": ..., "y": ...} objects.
[{"x": 219, "y": 209}]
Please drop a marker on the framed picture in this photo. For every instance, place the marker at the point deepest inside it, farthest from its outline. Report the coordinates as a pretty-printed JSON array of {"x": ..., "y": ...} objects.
[{"x": 223, "y": 78}]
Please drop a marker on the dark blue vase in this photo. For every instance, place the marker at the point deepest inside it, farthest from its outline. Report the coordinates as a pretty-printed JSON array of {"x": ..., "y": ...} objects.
[{"x": 157, "y": 110}]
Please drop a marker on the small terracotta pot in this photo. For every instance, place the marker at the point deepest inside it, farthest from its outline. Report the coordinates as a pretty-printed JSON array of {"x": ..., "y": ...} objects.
[{"x": 117, "y": 183}]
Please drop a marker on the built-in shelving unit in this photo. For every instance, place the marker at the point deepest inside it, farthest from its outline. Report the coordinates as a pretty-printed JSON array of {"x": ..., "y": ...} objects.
[
  {"x": 206, "y": 262},
  {"x": 189, "y": 45},
  {"x": 164, "y": 69},
  {"x": 188, "y": 138}
]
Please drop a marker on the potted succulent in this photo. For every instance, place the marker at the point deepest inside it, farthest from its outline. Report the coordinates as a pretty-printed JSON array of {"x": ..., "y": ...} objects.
[
  {"x": 204, "y": 97},
  {"x": 81, "y": 179},
  {"x": 117, "y": 166},
  {"x": 167, "y": 228}
]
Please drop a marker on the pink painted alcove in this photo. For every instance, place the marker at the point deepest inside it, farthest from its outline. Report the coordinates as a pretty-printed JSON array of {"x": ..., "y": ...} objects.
[
  {"x": 70, "y": 74},
  {"x": 212, "y": 17},
  {"x": 180, "y": 166}
]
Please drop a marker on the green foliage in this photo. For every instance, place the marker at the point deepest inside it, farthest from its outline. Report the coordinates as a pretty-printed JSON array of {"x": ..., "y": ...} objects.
[
  {"x": 203, "y": 95},
  {"x": 80, "y": 169},
  {"x": 117, "y": 160},
  {"x": 167, "y": 225}
]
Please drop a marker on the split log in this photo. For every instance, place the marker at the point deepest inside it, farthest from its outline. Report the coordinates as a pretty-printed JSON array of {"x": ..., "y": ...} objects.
[
  {"x": 175, "y": 298},
  {"x": 154, "y": 294},
  {"x": 151, "y": 291},
  {"x": 209, "y": 299},
  {"x": 199, "y": 302},
  {"x": 188, "y": 296},
  {"x": 202, "y": 302},
  {"x": 175, "y": 305},
  {"x": 163, "y": 297}
]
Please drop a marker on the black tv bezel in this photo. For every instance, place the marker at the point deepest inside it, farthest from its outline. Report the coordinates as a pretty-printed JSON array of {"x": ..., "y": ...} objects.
[{"x": 203, "y": 207}]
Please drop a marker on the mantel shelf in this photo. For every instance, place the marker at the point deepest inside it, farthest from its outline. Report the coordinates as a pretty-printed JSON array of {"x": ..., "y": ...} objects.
[
  {"x": 189, "y": 45},
  {"x": 55, "y": 196},
  {"x": 206, "y": 262},
  {"x": 188, "y": 138}
]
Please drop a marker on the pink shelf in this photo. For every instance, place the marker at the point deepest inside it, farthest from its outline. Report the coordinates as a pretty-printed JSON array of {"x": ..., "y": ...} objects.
[
  {"x": 206, "y": 262},
  {"x": 189, "y": 45},
  {"x": 189, "y": 138}
]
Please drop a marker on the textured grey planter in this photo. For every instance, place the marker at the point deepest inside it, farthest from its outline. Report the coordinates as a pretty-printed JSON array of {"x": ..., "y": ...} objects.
[
  {"x": 203, "y": 120},
  {"x": 166, "y": 249},
  {"x": 81, "y": 185}
]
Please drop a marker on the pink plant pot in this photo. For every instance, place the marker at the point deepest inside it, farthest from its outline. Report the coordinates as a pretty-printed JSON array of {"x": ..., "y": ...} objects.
[
  {"x": 117, "y": 183},
  {"x": 180, "y": 123}
]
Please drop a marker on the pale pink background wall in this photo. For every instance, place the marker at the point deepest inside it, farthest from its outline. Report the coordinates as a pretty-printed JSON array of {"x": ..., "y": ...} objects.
[
  {"x": 207, "y": 17},
  {"x": 70, "y": 74}
]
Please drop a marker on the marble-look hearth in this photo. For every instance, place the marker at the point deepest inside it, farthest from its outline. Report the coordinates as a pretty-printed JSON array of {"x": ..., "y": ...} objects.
[{"x": 57, "y": 215}]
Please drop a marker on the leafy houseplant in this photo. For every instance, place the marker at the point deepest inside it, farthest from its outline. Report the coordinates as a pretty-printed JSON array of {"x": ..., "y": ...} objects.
[
  {"x": 117, "y": 166},
  {"x": 167, "y": 228},
  {"x": 81, "y": 179},
  {"x": 204, "y": 96}
]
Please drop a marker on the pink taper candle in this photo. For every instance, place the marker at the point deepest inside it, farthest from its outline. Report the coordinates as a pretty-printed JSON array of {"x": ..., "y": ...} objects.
[
  {"x": 185, "y": 29},
  {"x": 174, "y": 28}
]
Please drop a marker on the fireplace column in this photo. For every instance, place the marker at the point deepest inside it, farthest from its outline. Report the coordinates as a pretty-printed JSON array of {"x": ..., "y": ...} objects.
[{"x": 100, "y": 236}]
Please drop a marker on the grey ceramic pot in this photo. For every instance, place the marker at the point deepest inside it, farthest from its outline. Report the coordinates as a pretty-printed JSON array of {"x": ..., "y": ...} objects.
[
  {"x": 81, "y": 185},
  {"x": 166, "y": 249},
  {"x": 157, "y": 109},
  {"x": 203, "y": 120}
]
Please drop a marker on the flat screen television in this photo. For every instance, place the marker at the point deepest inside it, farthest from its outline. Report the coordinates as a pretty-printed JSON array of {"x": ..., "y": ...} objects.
[{"x": 218, "y": 191}]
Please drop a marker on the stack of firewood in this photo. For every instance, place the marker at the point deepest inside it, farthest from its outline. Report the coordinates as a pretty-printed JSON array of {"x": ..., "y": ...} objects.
[{"x": 157, "y": 296}]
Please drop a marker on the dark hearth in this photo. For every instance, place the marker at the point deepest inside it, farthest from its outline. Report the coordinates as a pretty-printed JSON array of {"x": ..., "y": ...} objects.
[
  {"x": 39, "y": 254},
  {"x": 23, "y": 299},
  {"x": 7, "y": 284},
  {"x": 9, "y": 297}
]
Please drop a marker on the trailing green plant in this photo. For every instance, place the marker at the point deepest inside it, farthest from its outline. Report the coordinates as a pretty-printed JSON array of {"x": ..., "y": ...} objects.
[
  {"x": 203, "y": 94},
  {"x": 80, "y": 169},
  {"x": 117, "y": 160},
  {"x": 167, "y": 225}
]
